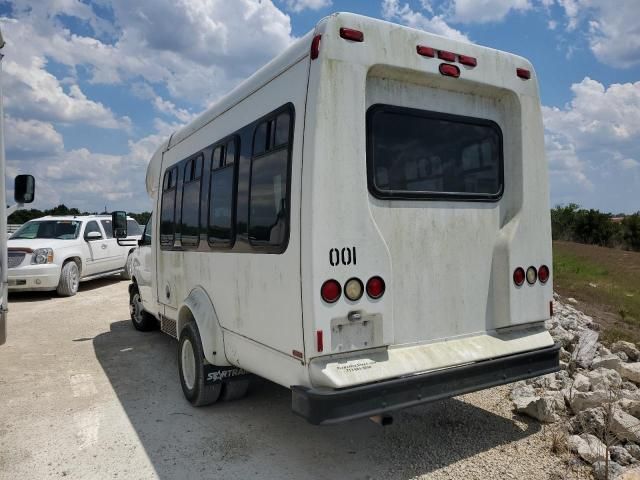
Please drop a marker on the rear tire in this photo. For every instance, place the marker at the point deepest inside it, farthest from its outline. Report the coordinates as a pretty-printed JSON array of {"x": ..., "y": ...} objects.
[
  {"x": 141, "y": 319},
  {"x": 69, "y": 279},
  {"x": 191, "y": 369}
]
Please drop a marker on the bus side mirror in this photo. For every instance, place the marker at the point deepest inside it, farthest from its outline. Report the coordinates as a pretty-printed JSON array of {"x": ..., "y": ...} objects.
[
  {"x": 24, "y": 189},
  {"x": 119, "y": 224}
]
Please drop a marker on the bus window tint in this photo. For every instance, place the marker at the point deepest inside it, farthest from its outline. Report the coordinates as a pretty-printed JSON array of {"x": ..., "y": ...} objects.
[
  {"x": 230, "y": 153},
  {"x": 282, "y": 129},
  {"x": 220, "y": 206},
  {"x": 167, "y": 211},
  {"x": 268, "y": 199},
  {"x": 260, "y": 139},
  {"x": 190, "y": 228},
  {"x": 417, "y": 153}
]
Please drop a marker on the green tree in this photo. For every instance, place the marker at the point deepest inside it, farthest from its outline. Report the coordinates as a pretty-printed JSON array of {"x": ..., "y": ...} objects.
[
  {"x": 563, "y": 219},
  {"x": 631, "y": 231}
]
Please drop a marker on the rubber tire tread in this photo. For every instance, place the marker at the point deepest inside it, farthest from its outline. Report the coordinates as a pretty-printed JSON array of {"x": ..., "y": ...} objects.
[
  {"x": 65, "y": 286},
  {"x": 201, "y": 394}
]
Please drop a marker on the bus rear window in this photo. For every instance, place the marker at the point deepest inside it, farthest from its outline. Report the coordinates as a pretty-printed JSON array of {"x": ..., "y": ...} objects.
[{"x": 418, "y": 154}]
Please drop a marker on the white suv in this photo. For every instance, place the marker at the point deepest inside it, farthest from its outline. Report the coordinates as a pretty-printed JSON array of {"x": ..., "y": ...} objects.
[{"x": 57, "y": 253}]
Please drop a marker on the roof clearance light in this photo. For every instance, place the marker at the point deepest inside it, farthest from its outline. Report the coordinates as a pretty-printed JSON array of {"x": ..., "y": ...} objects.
[
  {"x": 523, "y": 73},
  {"x": 353, "y": 289},
  {"x": 532, "y": 275},
  {"x": 315, "y": 47},
  {"x": 449, "y": 70},
  {"x": 375, "y": 287},
  {"x": 425, "y": 51},
  {"x": 351, "y": 34},
  {"x": 331, "y": 291},
  {"x": 518, "y": 276},
  {"x": 543, "y": 274},
  {"x": 448, "y": 56},
  {"x": 466, "y": 60}
]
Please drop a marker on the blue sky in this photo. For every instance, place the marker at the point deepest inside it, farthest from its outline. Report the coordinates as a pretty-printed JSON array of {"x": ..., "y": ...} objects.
[{"x": 93, "y": 87}]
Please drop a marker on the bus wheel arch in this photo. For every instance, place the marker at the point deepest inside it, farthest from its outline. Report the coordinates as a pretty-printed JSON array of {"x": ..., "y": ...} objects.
[{"x": 199, "y": 309}]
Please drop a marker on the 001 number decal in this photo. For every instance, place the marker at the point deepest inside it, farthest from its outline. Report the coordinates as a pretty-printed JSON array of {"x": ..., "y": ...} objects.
[{"x": 344, "y": 256}]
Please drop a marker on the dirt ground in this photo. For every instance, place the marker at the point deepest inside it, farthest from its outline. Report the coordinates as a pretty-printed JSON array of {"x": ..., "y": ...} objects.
[
  {"x": 84, "y": 395},
  {"x": 605, "y": 283}
]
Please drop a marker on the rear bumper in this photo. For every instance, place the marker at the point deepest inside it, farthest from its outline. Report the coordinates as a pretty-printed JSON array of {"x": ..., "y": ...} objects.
[{"x": 326, "y": 406}]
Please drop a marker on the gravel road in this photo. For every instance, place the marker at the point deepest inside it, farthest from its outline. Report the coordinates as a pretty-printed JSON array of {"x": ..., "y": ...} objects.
[{"x": 84, "y": 395}]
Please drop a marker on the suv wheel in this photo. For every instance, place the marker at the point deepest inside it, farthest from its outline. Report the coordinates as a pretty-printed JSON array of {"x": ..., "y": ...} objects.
[{"x": 69, "y": 279}]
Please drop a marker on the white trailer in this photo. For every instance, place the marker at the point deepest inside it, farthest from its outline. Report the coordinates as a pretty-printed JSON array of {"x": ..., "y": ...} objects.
[{"x": 365, "y": 220}]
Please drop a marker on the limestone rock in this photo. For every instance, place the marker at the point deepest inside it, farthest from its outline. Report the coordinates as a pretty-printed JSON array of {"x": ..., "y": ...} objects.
[
  {"x": 630, "y": 371},
  {"x": 627, "y": 347},
  {"x": 540, "y": 408},
  {"x": 588, "y": 447},
  {"x": 611, "y": 361},
  {"x": 604, "y": 379},
  {"x": 581, "y": 383},
  {"x": 600, "y": 469},
  {"x": 583, "y": 400},
  {"x": 588, "y": 421},
  {"x": 633, "y": 449},
  {"x": 620, "y": 455},
  {"x": 585, "y": 349},
  {"x": 631, "y": 474},
  {"x": 625, "y": 427}
]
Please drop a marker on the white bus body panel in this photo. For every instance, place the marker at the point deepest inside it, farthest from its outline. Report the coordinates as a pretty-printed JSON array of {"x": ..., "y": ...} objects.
[{"x": 450, "y": 299}]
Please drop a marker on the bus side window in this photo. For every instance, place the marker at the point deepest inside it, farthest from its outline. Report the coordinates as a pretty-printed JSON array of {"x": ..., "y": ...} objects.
[
  {"x": 221, "y": 204},
  {"x": 168, "y": 208},
  {"x": 190, "y": 228},
  {"x": 269, "y": 185}
]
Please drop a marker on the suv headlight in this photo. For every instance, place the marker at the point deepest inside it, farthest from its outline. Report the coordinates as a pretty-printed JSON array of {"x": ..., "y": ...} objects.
[{"x": 41, "y": 256}]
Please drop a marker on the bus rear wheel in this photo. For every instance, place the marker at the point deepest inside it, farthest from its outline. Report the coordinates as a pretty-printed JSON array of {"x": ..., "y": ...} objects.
[{"x": 191, "y": 369}]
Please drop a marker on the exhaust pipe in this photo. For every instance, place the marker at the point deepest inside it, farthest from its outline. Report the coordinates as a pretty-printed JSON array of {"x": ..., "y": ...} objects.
[{"x": 382, "y": 420}]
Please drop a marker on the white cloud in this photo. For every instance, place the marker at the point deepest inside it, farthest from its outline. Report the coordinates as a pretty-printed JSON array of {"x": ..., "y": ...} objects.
[
  {"x": 34, "y": 93},
  {"x": 394, "y": 11},
  {"x": 611, "y": 28},
  {"x": 29, "y": 138},
  {"x": 300, "y": 5},
  {"x": 592, "y": 141},
  {"x": 483, "y": 11},
  {"x": 197, "y": 50}
]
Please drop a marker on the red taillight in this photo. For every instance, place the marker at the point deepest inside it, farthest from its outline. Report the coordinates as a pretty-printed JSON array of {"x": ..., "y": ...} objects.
[
  {"x": 315, "y": 47},
  {"x": 519, "y": 276},
  {"x": 375, "y": 287},
  {"x": 449, "y": 70},
  {"x": 351, "y": 34},
  {"x": 523, "y": 73},
  {"x": 330, "y": 291},
  {"x": 448, "y": 56},
  {"x": 425, "y": 51},
  {"x": 319, "y": 341},
  {"x": 466, "y": 60},
  {"x": 543, "y": 274}
]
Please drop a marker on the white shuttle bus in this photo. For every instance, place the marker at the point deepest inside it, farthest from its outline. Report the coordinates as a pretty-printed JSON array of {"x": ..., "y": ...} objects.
[{"x": 365, "y": 221}]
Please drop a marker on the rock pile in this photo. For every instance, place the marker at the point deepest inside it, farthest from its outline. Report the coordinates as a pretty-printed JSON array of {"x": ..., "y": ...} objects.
[{"x": 595, "y": 395}]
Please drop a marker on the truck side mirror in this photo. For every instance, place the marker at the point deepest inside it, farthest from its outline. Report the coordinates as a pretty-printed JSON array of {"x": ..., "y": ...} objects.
[
  {"x": 24, "y": 189},
  {"x": 119, "y": 224}
]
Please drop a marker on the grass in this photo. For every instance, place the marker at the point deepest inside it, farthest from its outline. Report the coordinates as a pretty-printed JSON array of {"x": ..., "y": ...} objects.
[{"x": 606, "y": 284}]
